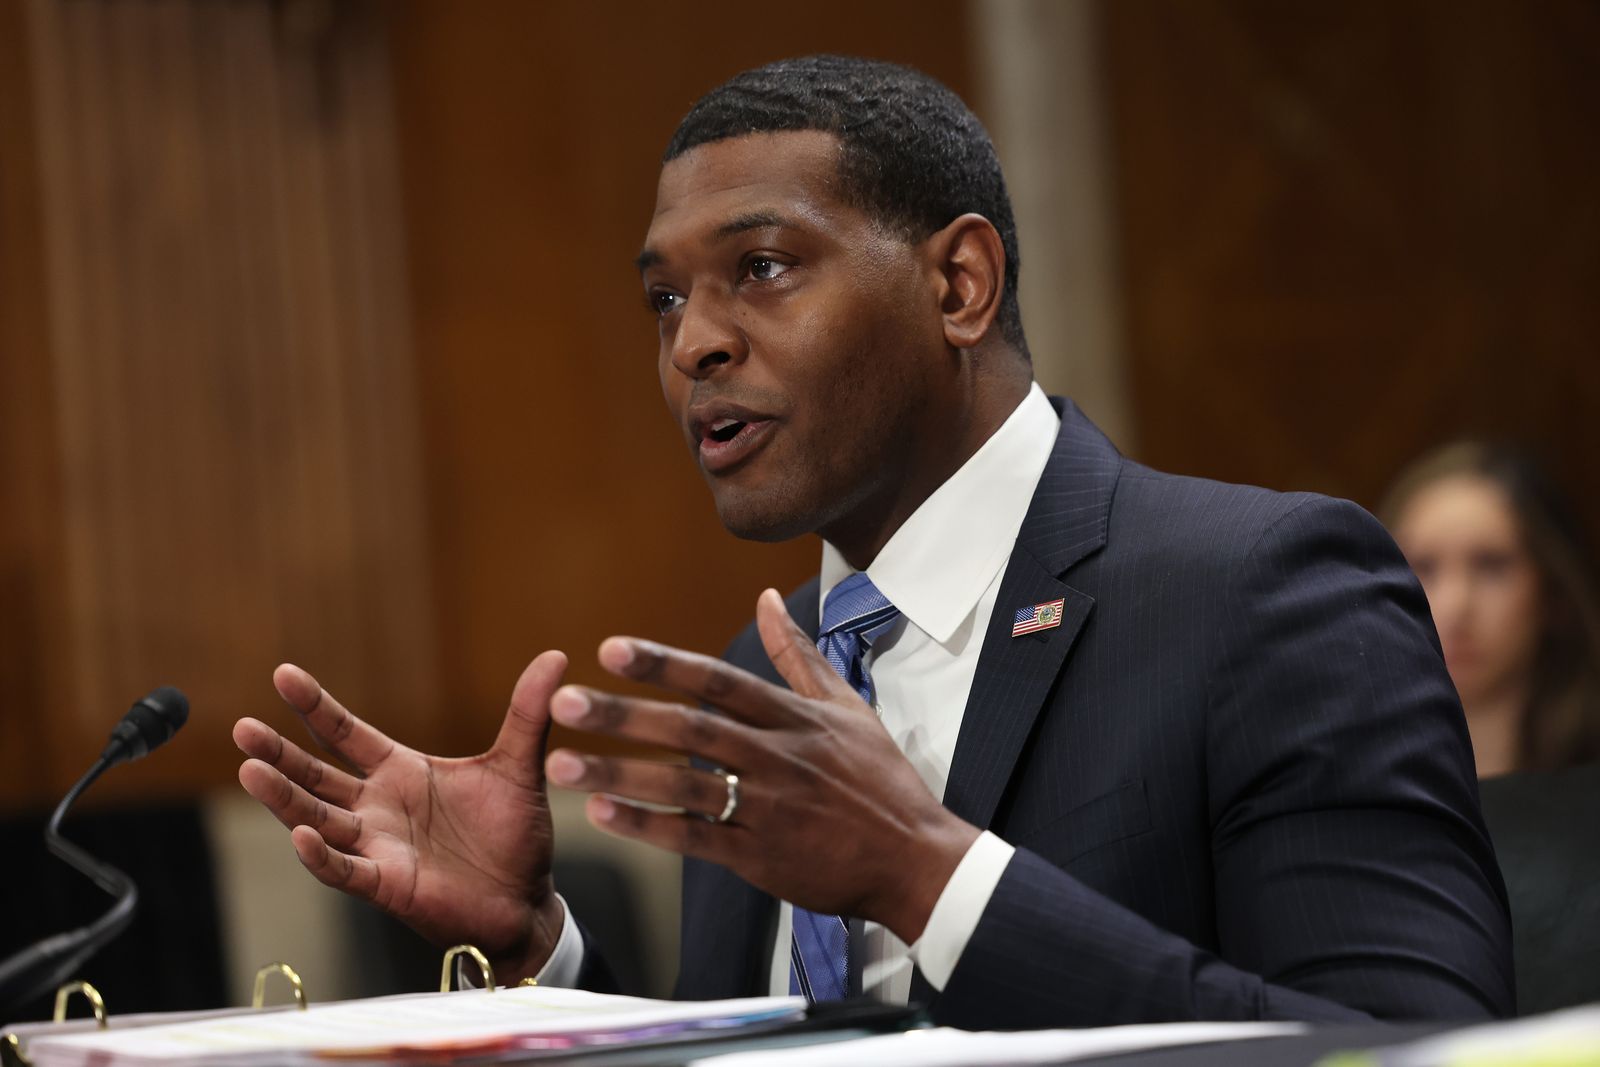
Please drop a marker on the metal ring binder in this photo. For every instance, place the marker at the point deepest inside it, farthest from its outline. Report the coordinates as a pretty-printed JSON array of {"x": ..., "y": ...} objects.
[
  {"x": 479, "y": 958},
  {"x": 90, "y": 993},
  {"x": 11, "y": 1052},
  {"x": 258, "y": 998}
]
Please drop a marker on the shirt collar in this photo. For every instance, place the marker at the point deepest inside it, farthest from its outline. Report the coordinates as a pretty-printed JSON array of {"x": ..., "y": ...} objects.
[{"x": 936, "y": 567}]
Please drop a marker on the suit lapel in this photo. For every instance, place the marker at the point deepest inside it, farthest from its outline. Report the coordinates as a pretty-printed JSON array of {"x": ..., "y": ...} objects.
[
  {"x": 1014, "y": 676},
  {"x": 1066, "y": 521}
]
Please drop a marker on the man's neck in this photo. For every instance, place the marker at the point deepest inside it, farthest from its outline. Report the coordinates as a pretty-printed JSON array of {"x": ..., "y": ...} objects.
[{"x": 861, "y": 536}]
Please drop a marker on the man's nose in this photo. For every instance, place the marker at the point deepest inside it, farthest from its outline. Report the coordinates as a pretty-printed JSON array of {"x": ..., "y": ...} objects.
[{"x": 707, "y": 337}]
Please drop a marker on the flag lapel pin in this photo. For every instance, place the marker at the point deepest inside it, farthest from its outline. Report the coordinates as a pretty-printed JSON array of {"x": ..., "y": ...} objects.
[{"x": 1038, "y": 617}]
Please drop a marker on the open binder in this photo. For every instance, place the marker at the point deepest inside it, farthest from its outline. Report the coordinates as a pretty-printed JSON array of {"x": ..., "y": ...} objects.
[
  {"x": 525, "y": 1023},
  {"x": 14, "y": 1041}
]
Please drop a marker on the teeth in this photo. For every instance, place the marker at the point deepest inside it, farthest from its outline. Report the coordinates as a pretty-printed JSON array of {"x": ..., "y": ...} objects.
[{"x": 723, "y": 424}]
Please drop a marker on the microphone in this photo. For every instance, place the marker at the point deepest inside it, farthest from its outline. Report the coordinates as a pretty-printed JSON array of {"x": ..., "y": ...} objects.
[
  {"x": 148, "y": 724},
  {"x": 47, "y": 963}
]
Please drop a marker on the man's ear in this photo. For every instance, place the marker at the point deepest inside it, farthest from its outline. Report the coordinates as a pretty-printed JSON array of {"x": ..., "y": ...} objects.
[{"x": 971, "y": 263}]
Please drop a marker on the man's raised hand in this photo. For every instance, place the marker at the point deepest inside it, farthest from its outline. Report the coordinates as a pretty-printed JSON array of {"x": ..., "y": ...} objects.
[
  {"x": 830, "y": 815},
  {"x": 458, "y": 849}
]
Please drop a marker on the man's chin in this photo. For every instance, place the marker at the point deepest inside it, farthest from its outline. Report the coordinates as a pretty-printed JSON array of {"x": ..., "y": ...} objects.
[{"x": 756, "y": 517}]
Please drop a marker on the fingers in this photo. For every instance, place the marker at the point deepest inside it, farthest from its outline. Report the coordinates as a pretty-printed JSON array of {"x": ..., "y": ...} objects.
[
  {"x": 293, "y": 806},
  {"x": 652, "y": 722},
  {"x": 688, "y": 835},
  {"x": 708, "y": 680},
  {"x": 353, "y": 874},
  {"x": 651, "y": 781},
  {"x": 334, "y": 728},
  {"x": 260, "y": 741},
  {"x": 527, "y": 722},
  {"x": 794, "y": 654}
]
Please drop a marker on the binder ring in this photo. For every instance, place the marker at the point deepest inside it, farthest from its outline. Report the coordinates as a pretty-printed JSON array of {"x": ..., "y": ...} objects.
[
  {"x": 11, "y": 1052},
  {"x": 90, "y": 993},
  {"x": 479, "y": 958},
  {"x": 259, "y": 997}
]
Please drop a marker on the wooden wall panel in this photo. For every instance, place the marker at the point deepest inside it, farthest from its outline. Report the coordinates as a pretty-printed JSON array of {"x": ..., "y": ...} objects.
[
  {"x": 30, "y": 665},
  {"x": 233, "y": 423},
  {"x": 238, "y": 456},
  {"x": 565, "y": 505},
  {"x": 1353, "y": 230}
]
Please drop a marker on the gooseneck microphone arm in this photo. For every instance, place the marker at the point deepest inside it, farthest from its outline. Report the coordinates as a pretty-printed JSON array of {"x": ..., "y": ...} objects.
[{"x": 47, "y": 963}]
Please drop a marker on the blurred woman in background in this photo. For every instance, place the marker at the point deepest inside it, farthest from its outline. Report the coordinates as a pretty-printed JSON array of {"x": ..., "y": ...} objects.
[{"x": 1507, "y": 574}]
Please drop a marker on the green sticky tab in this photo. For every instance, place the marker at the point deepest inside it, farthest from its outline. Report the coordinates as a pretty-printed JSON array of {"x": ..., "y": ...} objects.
[{"x": 1349, "y": 1059}]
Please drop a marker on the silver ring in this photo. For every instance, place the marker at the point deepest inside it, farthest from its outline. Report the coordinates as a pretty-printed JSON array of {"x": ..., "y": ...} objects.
[{"x": 732, "y": 805}]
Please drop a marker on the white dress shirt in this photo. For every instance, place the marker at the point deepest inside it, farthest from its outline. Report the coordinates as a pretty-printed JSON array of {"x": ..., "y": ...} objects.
[{"x": 942, "y": 569}]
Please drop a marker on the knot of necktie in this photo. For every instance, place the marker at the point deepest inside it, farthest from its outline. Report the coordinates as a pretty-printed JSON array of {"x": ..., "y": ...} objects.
[{"x": 853, "y": 616}]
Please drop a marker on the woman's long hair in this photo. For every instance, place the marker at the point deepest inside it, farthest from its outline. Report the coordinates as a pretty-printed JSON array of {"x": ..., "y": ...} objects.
[{"x": 1561, "y": 725}]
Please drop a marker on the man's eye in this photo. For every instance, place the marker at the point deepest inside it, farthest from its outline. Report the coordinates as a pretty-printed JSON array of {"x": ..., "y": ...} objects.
[
  {"x": 765, "y": 268},
  {"x": 662, "y": 302}
]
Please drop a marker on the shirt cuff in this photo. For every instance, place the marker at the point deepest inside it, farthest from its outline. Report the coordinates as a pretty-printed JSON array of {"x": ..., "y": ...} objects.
[
  {"x": 956, "y": 913},
  {"x": 566, "y": 960},
  {"x": 560, "y": 970}
]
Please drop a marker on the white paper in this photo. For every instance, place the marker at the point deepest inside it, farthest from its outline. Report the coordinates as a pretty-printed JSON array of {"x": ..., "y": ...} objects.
[
  {"x": 943, "y": 1047},
  {"x": 412, "y": 1020}
]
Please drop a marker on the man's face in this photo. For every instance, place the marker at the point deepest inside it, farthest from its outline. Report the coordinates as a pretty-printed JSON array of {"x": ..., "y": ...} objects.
[{"x": 802, "y": 350}]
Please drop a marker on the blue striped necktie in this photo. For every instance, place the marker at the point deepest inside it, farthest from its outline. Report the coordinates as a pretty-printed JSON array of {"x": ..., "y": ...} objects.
[{"x": 853, "y": 616}]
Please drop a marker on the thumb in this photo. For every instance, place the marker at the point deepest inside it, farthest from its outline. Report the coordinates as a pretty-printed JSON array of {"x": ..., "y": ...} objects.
[
  {"x": 794, "y": 655},
  {"x": 527, "y": 723}
]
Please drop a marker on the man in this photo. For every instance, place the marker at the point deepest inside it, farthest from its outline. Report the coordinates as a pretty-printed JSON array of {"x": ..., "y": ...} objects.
[{"x": 1196, "y": 750}]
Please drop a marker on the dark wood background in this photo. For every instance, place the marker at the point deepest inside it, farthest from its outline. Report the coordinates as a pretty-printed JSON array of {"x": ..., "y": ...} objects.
[
  {"x": 1352, "y": 231},
  {"x": 322, "y": 342}
]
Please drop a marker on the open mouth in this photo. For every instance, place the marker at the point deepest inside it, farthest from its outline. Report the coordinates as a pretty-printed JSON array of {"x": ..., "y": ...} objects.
[
  {"x": 729, "y": 441},
  {"x": 724, "y": 430}
]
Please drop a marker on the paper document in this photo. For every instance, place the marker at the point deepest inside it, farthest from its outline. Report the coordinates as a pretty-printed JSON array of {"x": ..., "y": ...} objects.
[
  {"x": 943, "y": 1047},
  {"x": 428, "y": 1026}
]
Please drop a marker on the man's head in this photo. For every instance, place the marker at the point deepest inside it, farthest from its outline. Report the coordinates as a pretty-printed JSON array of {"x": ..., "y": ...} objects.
[
  {"x": 828, "y": 260},
  {"x": 912, "y": 154}
]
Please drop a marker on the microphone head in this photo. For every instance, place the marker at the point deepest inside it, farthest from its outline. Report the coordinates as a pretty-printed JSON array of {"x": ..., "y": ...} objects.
[{"x": 148, "y": 724}]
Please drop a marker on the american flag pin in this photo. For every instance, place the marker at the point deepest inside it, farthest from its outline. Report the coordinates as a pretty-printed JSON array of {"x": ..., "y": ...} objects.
[{"x": 1039, "y": 617}]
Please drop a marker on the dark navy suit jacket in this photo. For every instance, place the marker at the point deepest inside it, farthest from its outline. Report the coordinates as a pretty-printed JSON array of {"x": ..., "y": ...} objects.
[{"x": 1237, "y": 775}]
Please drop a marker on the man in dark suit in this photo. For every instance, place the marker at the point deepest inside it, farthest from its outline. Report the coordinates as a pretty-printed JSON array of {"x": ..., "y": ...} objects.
[{"x": 1197, "y": 753}]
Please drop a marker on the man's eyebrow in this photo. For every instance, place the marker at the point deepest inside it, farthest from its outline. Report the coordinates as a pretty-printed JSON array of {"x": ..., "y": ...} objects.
[
  {"x": 751, "y": 220},
  {"x": 646, "y": 259}
]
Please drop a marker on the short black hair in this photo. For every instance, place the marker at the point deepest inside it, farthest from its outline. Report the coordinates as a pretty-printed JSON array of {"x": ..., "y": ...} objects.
[{"x": 913, "y": 155}]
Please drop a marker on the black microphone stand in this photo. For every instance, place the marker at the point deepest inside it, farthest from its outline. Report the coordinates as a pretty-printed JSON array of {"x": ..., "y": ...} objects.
[{"x": 47, "y": 963}]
